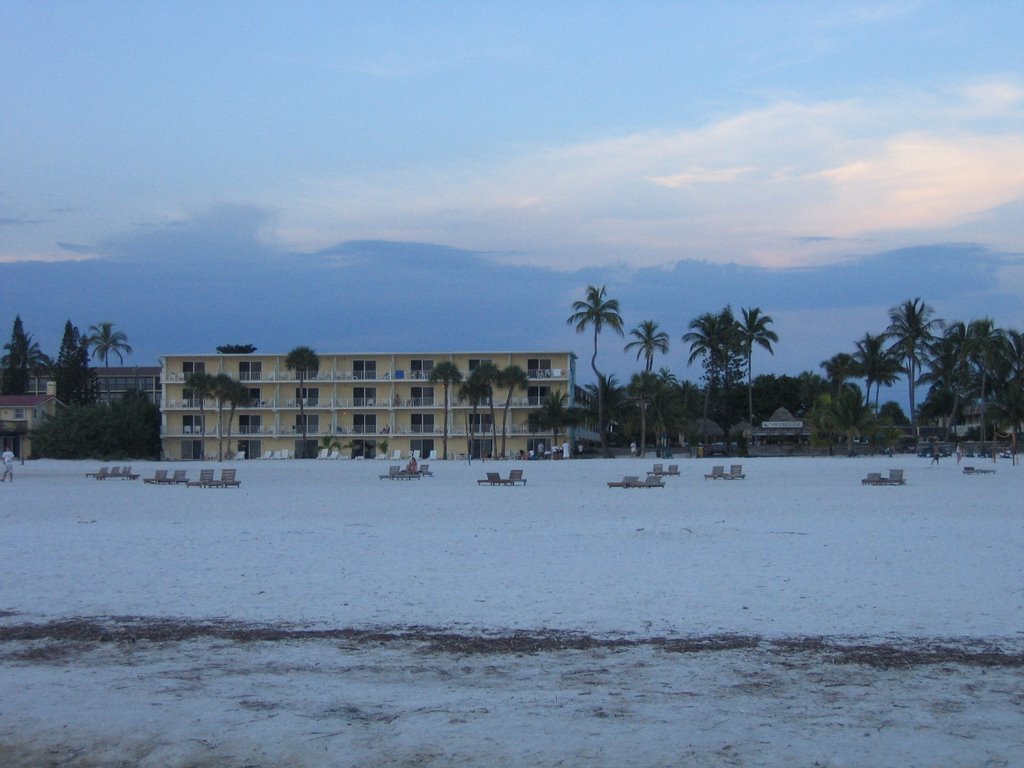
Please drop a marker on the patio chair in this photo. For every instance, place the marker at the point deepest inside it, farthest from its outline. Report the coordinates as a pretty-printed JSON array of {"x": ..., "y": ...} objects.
[
  {"x": 227, "y": 480},
  {"x": 205, "y": 478},
  {"x": 717, "y": 472},
  {"x": 159, "y": 477},
  {"x": 626, "y": 482},
  {"x": 180, "y": 477}
]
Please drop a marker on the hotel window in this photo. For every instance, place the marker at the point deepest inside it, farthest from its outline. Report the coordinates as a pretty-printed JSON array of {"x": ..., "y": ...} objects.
[
  {"x": 421, "y": 396},
  {"x": 474, "y": 363},
  {"x": 364, "y": 396},
  {"x": 364, "y": 369},
  {"x": 312, "y": 422},
  {"x": 191, "y": 425},
  {"x": 311, "y": 395},
  {"x": 481, "y": 422},
  {"x": 422, "y": 423},
  {"x": 364, "y": 423},
  {"x": 249, "y": 425},
  {"x": 536, "y": 395},
  {"x": 255, "y": 399},
  {"x": 250, "y": 370},
  {"x": 420, "y": 369},
  {"x": 193, "y": 366},
  {"x": 538, "y": 367}
]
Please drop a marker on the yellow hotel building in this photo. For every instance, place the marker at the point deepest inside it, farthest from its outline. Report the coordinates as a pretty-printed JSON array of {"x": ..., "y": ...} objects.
[{"x": 358, "y": 405}]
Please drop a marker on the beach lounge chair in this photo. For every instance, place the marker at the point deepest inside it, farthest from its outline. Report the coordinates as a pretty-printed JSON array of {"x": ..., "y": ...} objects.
[
  {"x": 735, "y": 472},
  {"x": 658, "y": 471},
  {"x": 159, "y": 477},
  {"x": 333, "y": 455},
  {"x": 180, "y": 477},
  {"x": 396, "y": 455},
  {"x": 424, "y": 471},
  {"x": 268, "y": 454},
  {"x": 433, "y": 456},
  {"x": 652, "y": 481},
  {"x": 393, "y": 472},
  {"x": 516, "y": 476},
  {"x": 114, "y": 472},
  {"x": 873, "y": 478},
  {"x": 102, "y": 471},
  {"x": 493, "y": 478},
  {"x": 976, "y": 471},
  {"x": 323, "y": 453},
  {"x": 673, "y": 469},
  {"x": 896, "y": 477},
  {"x": 717, "y": 473},
  {"x": 626, "y": 482},
  {"x": 205, "y": 478},
  {"x": 226, "y": 480},
  {"x": 127, "y": 474}
]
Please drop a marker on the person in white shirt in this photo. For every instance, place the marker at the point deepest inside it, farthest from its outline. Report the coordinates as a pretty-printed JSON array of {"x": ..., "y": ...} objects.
[{"x": 8, "y": 459}]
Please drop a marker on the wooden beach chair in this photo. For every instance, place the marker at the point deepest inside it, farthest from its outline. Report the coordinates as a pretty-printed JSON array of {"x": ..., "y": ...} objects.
[
  {"x": 735, "y": 472},
  {"x": 626, "y": 482},
  {"x": 393, "y": 473},
  {"x": 516, "y": 476},
  {"x": 159, "y": 477},
  {"x": 180, "y": 477},
  {"x": 895, "y": 477},
  {"x": 873, "y": 478},
  {"x": 673, "y": 469},
  {"x": 226, "y": 480},
  {"x": 717, "y": 473},
  {"x": 976, "y": 471},
  {"x": 658, "y": 470},
  {"x": 493, "y": 478},
  {"x": 205, "y": 478},
  {"x": 127, "y": 474},
  {"x": 104, "y": 471}
]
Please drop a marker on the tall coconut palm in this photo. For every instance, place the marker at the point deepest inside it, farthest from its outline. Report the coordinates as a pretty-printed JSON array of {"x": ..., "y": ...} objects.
[
  {"x": 554, "y": 414},
  {"x": 949, "y": 369},
  {"x": 233, "y": 393},
  {"x": 445, "y": 373},
  {"x": 474, "y": 390},
  {"x": 104, "y": 341},
  {"x": 643, "y": 387},
  {"x": 202, "y": 385},
  {"x": 511, "y": 378},
  {"x": 304, "y": 361},
  {"x": 753, "y": 329},
  {"x": 875, "y": 364},
  {"x": 597, "y": 311},
  {"x": 986, "y": 345},
  {"x": 488, "y": 374},
  {"x": 839, "y": 369},
  {"x": 912, "y": 329},
  {"x": 712, "y": 336},
  {"x": 647, "y": 340}
]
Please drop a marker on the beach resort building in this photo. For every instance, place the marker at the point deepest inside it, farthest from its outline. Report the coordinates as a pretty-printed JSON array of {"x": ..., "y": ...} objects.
[
  {"x": 19, "y": 415},
  {"x": 358, "y": 405}
]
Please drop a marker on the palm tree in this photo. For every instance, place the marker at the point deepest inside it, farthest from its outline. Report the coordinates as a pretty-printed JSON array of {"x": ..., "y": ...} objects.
[
  {"x": 473, "y": 390},
  {"x": 104, "y": 341},
  {"x": 986, "y": 346},
  {"x": 234, "y": 393},
  {"x": 487, "y": 373},
  {"x": 911, "y": 330},
  {"x": 554, "y": 414},
  {"x": 838, "y": 370},
  {"x": 597, "y": 311},
  {"x": 949, "y": 369},
  {"x": 511, "y": 377},
  {"x": 753, "y": 329},
  {"x": 1008, "y": 410},
  {"x": 875, "y": 364},
  {"x": 303, "y": 361},
  {"x": 202, "y": 385},
  {"x": 445, "y": 373},
  {"x": 648, "y": 340},
  {"x": 643, "y": 387},
  {"x": 851, "y": 416},
  {"x": 713, "y": 337}
]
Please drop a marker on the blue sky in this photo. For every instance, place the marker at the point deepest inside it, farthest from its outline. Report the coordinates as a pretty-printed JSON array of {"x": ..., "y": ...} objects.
[{"x": 823, "y": 161}]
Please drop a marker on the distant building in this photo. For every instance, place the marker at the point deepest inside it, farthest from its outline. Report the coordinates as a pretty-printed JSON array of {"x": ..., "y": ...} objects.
[
  {"x": 780, "y": 434},
  {"x": 114, "y": 381},
  {"x": 19, "y": 415},
  {"x": 357, "y": 402}
]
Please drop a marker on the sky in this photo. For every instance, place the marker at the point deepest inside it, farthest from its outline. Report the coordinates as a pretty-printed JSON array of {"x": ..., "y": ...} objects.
[{"x": 406, "y": 176}]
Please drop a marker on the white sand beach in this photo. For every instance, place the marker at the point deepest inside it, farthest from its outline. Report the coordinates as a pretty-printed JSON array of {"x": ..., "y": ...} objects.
[{"x": 319, "y": 615}]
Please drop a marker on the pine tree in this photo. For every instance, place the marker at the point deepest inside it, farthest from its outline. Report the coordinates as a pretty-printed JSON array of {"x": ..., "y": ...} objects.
[
  {"x": 75, "y": 380},
  {"x": 16, "y": 361}
]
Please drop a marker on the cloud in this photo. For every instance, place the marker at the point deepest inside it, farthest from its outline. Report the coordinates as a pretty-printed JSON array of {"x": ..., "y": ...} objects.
[{"x": 743, "y": 188}]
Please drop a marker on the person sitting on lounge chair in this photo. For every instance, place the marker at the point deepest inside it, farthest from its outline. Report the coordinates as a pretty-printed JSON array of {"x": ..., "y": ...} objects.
[{"x": 412, "y": 467}]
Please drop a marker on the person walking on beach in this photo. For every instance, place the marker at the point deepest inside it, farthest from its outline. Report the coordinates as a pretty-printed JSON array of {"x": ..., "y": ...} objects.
[
  {"x": 935, "y": 455},
  {"x": 8, "y": 459},
  {"x": 959, "y": 453}
]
